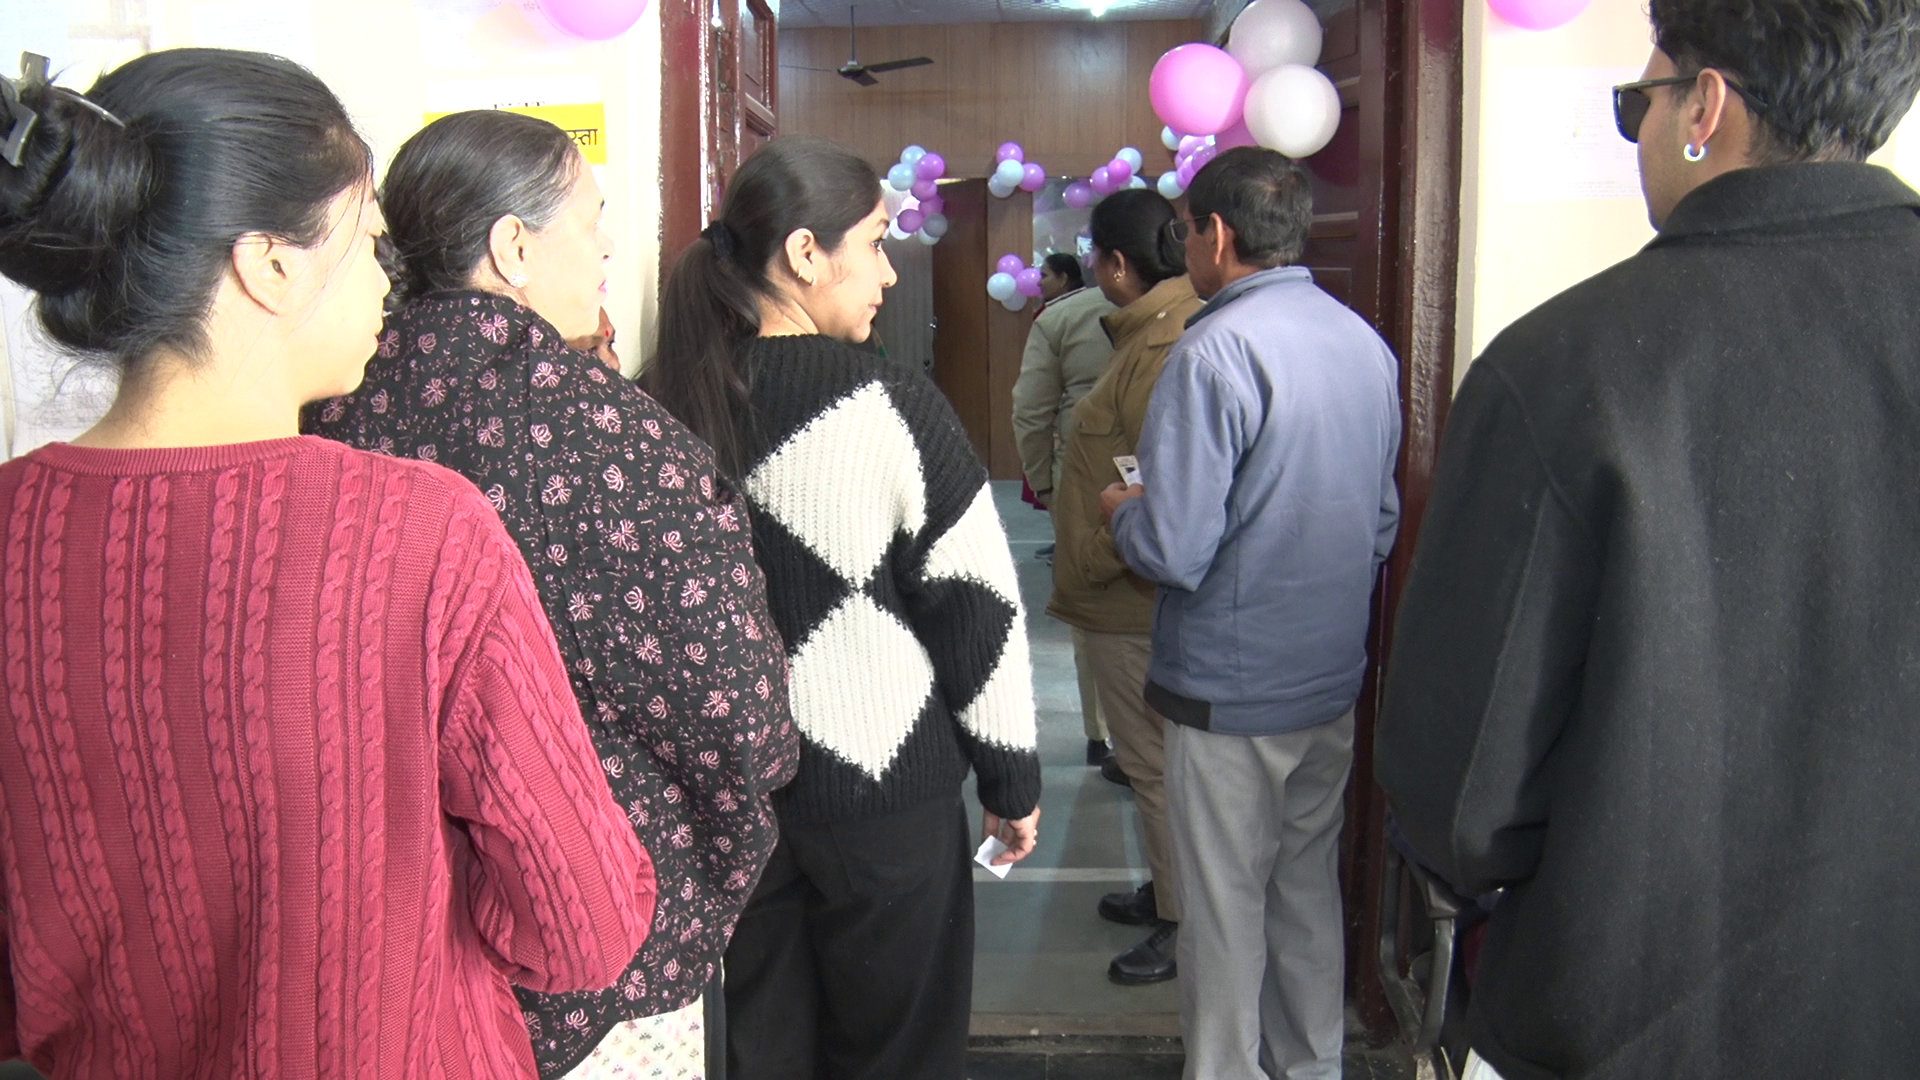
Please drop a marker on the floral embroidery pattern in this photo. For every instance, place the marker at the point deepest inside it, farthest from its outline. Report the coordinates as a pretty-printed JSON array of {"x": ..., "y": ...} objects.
[{"x": 654, "y": 598}]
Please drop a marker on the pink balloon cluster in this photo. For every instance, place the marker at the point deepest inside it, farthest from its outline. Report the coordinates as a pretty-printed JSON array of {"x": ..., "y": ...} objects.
[
  {"x": 1013, "y": 172},
  {"x": 595, "y": 20},
  {"x": 1261, "y": 90},
  {"x": 1013, "y": 282},
  {"x": 913, "y": 194}
]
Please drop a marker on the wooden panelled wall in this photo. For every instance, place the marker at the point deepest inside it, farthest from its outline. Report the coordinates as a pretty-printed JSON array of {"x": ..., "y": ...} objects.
[{"x": 1071, "y": 93}]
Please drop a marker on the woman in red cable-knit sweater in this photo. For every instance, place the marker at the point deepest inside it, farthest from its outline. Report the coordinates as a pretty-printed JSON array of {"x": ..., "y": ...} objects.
[{"x": 292, "y": 782}]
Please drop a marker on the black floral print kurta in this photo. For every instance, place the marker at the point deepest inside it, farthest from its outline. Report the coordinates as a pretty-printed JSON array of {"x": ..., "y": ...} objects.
[{"x": 644, "y": 561}]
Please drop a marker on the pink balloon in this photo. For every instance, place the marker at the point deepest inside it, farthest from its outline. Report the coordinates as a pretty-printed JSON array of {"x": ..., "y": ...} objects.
[
  {"x": 1011, "y": 264},
  {"x": 931, "y": 167},
  {"x": 1202, "y": 156},
  {"x": 1028, "y": 281},
  {"x": 1185, "y": 173},
  {"x": 1237, "y": 135},
  {"x": 924, "y": 189},
  {"x": 1009, "y": 151},
  {"x": 910, "y": 220},
  {"x": 1538, "y": 14},
  {"x": 1101, "y": 181},
  {"x": 595, "y": 20},
  {"x": 1119, "y": 172},
  {"x": 932, "y": 206},
  {"x": 1198, "y": 89},
  {"x": 1033, "y": 178},
  {"x": 1079, "y": 195}
]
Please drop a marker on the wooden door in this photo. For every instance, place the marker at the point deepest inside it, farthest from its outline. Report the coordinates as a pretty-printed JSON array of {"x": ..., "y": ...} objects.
[
  {"x": 1386, "y": 241},
  {"x": 719, "y": 102},
  {"x": 960, "y": 303}
]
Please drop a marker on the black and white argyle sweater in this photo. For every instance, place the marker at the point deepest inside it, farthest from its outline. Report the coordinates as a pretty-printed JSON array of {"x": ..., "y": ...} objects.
[{"x": 889, "y": 575}]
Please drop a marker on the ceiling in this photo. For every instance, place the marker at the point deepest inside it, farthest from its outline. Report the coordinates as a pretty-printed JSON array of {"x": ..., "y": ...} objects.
[{"x": 799, "y": 14}]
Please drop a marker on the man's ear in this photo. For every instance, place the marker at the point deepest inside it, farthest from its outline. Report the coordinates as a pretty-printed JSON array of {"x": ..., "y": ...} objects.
[
  {"x": 265, "y": 268},
  {"x": 1222, "y": 235}
]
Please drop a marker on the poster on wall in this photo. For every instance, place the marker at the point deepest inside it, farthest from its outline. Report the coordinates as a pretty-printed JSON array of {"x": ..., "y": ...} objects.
[
  {"x": 1557, "y": 137},
  {"x": 586, "y": 125},
  {"x": 571, "y": 102}
]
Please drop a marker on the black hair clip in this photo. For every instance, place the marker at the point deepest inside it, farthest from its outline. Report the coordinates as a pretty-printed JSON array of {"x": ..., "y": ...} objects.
[{"x": 21, "y": 120}]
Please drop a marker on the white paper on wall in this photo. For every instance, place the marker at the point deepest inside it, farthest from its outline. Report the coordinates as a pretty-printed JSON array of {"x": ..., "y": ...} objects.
[
  {"x": 282, "y": 27},
  {"x": 1557, "y": 139},
  {"x": 53, "y": 397},
  {"x": 33, "y": 26}
]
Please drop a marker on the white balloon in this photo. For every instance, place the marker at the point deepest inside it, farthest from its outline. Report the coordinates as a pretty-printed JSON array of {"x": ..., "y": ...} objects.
[
  {"x": 1293, "y": 109},
  {"x": 1001, "y": 286},
  {"x": 1169, "y": 185},
  {"x": 926, "y": 237},
  {"x": 1271, "y": 33},
  {"x": 1169, "y": 139},
  {"x": 894, "y": 233},
  {"x": 1014, "y": 302},
  {"x": 1132, "y": 157},
  {"x": 1000, "y": 190},
  {"x": 935, "y": 226},
  {"x": 1009, "y": 173},
  {"x": 912, "y": 154},
  {"x": 1137, "y": 182}
]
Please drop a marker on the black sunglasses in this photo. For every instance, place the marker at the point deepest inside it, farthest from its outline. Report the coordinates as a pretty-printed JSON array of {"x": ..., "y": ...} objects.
[{"x": 1630, "y": 102}]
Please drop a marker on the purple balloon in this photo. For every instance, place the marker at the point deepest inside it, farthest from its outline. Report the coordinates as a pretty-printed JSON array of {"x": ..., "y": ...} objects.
[
  {"x": 1190, "y": 143},
  {"x": 1119, "y": 171},
  {"x": 1079, "y": 195},
  {"x": 933, "y": 205},
  {"x": 1198, "y": 89},
  {"x": 1237, "y": 135},
  {"x": 1185, "y": 173},
  {"x": 931, "y": 167},
  {"x": 595, "y": 20},
  {"x": 1102, "y": 180},
  {"x": 1009, "y": 151},
  {"x": 1011, "y": 264},
  {"x": 1202, "y": 156},
  {"x": 924, "y": 189},
  {"x": 910, "y": 220},
  {"x": 1028, "y": 281},
  {"x": 1033, "y": 178}
]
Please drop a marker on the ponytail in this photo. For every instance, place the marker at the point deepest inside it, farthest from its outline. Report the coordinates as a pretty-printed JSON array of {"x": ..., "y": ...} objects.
[
  {"x": 711, "y": 303},
  {"x": 707, "y": 309}
]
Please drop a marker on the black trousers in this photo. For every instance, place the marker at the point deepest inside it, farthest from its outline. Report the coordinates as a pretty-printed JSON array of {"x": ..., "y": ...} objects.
[{"x": 854, "y": 959}]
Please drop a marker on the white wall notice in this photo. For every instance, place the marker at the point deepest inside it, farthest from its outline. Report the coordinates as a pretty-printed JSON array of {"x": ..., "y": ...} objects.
[{"x": 1557, "y": 137}]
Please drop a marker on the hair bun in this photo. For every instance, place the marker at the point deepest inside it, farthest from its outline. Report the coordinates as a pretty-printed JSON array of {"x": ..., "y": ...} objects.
[{"x": 82, "y": 181}]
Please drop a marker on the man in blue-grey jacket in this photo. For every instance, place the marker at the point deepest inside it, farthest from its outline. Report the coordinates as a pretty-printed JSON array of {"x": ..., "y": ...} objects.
[{"x": 1268, "y": 505}]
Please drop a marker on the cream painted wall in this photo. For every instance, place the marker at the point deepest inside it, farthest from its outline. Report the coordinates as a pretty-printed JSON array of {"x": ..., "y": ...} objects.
[{"x": 1516, "y": 254}]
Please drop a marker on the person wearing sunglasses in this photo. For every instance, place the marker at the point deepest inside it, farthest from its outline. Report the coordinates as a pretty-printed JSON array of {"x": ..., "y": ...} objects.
[{"x": 1656, "y": 668}]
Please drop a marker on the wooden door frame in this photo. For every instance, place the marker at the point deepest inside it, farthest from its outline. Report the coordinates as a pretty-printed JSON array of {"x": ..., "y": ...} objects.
[
  {"x": 701, "y": 114},
  {"x": 1419, "y": 216}
]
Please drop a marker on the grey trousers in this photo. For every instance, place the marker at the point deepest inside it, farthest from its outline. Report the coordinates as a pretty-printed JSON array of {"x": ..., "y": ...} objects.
[{"x": 1256, "y": 831}]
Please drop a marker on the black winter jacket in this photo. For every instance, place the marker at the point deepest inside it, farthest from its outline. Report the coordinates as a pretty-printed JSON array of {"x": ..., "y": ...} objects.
[{"x": 1657, "y": 668}]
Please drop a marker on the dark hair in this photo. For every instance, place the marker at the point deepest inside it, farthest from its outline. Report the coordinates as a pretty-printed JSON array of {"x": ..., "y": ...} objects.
[
  {"x": 1833, "y": 77},
  {"x": 1264, "y": 196},
  {"x": 1134, "y": 223},
  {"x": 711, "y": 302},
  {"x": 459, "y": 175},
  {"x": 124, "y": 221},
  {"x": 1067, "y": 267}
]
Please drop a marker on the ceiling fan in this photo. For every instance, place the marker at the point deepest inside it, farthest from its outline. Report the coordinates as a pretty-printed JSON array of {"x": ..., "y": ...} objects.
[{"x": 856, "y": 71}]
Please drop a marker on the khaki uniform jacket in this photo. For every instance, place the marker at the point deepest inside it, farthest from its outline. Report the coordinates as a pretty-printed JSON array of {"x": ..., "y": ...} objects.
[
  {"x": 1092, "y": 587},
  {"x": 1067, "y": 352}
]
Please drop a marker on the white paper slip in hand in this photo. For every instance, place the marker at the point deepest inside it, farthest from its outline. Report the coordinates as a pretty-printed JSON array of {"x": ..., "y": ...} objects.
[
  {"x": 1129, "y": 467},
  {"x": 990, "y": 849}
]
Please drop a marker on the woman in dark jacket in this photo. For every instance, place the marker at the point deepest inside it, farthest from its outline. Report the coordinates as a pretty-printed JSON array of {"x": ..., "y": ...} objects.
[
  {"x": 641, "y": 553},
  {"x": 897, "y": 598}
]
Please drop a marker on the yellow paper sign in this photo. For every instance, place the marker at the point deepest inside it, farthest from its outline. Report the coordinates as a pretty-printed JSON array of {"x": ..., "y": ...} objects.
[{"x": 585, "y": 124}]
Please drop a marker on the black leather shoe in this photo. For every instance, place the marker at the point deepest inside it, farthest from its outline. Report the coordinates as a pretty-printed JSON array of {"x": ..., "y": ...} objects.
[
  {"x": 1110, "y": 770},
  {"x": 1151, "y": 961},
  {"x": 1136, "y": 908},
  {"x": 1098, "y": 751}
]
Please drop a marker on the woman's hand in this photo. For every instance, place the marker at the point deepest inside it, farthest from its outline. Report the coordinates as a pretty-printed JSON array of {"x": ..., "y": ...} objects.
[{"x": 1019, "y": 836}]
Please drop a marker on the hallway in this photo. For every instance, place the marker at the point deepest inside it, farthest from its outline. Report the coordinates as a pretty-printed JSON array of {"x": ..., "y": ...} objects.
[{"x": 1043, "y": 1007}]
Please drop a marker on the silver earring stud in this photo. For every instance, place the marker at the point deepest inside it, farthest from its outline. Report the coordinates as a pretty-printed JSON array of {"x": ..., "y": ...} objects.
[
  {"x": 518, "y": 281},
  {"x": 1695, "y": 154}
]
